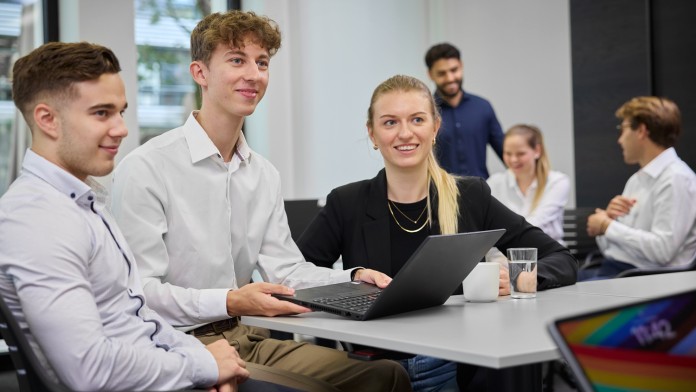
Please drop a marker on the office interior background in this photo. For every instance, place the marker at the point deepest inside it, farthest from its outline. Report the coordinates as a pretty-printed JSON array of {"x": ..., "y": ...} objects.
[{"x": 565, "y": 66}]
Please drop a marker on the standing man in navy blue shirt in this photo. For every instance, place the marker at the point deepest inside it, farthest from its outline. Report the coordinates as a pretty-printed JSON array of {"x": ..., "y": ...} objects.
[{"x": 468, "y": 121}]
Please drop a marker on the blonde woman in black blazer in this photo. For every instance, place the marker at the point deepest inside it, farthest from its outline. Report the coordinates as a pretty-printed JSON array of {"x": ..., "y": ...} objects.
[{"x": 379, "y": 223}]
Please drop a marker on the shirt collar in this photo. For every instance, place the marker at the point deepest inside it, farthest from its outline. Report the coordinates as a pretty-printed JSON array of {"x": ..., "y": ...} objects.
[
  {"x": 201, "y": 147},
  {"x": 511, "y": 181},
  {"x": 441, "y": 101},
  {"x": 655, "y": 167},
  {"x": 61, "y": 180}
]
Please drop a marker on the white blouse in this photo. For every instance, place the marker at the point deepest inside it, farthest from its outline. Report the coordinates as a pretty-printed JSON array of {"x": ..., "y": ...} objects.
[{"x": 548, "y": 215}]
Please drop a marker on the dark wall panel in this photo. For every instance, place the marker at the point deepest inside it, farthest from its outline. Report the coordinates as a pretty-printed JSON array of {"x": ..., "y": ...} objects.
[
  {"x": 674, "y": 65},
  {"x": 611, "y": 63}
]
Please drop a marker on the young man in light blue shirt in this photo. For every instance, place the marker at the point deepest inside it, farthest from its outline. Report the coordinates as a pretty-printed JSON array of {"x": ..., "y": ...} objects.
[{"x": 66, "y": 272}]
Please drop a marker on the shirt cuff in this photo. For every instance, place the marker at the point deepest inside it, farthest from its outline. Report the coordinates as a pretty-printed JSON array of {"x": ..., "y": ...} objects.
[
  {"x": 341, "y": 276},
  {"x": 613, "y": 230},
  {"x": 204, "y": 368},
  {"x": 354, "y": 272},
  {"x": 212, "y": 304}
]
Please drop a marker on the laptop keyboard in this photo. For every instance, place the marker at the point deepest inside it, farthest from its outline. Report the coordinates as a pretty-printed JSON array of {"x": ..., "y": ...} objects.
[{"x": 355, "y": 303}]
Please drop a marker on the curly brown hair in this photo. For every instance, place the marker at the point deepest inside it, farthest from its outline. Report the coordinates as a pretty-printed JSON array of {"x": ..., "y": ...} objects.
[
  {"x": 52, "y": 70},
  {"x": 233, "y": 28}
]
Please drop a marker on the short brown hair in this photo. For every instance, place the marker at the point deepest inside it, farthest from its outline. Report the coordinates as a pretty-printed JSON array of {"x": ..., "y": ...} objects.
[
  {"x": 660, "y": 115},
  {"x": 52, "y": 69},
  {"x": 232, "y": 28}
]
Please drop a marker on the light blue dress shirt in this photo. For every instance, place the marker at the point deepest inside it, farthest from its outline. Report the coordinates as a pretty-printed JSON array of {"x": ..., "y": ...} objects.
[{"x": 70, "y": 279}]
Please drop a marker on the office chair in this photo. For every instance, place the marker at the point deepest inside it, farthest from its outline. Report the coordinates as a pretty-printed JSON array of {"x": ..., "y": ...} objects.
[
  {"x": 32, "y": 377},
  {"x": 575, "y": 236},
  {"x": 300, "y": 214},
  {"x": 31, "y": 374}
]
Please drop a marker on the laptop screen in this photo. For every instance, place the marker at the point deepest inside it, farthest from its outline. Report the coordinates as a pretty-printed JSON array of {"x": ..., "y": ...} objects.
[{"x": 649, "y": 346}]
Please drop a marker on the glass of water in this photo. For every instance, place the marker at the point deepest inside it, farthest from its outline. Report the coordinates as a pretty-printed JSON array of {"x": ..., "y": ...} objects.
[{"x": 523, "y": 272}]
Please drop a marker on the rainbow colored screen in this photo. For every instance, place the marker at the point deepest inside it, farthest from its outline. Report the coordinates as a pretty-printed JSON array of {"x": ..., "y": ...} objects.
[{"x": 644, "y": 347}]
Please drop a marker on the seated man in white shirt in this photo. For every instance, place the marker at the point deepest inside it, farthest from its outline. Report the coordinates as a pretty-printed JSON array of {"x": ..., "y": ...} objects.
[
  {"x": 653, "y": 222},
  {"x": 202, "y": 211},
  {"x": 66, "y": 271}
]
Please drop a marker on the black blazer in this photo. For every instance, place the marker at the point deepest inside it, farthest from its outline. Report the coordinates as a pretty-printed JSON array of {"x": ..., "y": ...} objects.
[{"x": 354, "y": 224}]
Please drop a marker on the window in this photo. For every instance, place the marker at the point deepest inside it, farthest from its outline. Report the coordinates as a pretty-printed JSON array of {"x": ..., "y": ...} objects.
[
  {"x": 166, "y": 92},
  {"x": 20, "y": 32}
]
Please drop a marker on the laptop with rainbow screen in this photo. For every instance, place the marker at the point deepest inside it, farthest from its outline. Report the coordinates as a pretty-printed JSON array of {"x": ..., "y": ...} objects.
[{"x": 645, "y": 346}]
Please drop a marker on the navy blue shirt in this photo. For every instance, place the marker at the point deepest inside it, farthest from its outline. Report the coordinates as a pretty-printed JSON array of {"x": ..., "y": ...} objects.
[{"x": 464, "y": 134}]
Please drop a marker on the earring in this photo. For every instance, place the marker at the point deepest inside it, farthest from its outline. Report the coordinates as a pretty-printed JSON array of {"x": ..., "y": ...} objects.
[{"x": 375, "y": 147}]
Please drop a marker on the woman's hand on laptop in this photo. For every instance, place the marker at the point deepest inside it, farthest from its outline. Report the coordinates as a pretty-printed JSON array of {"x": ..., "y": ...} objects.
[
  {"x": 371, "y": 276},
  {"x": 254, "y": 299}
]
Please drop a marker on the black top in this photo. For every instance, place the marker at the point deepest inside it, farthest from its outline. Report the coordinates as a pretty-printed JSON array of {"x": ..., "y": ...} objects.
[
  {"x": 354, "y": 225},
  {"x": 404, "y": 243}
]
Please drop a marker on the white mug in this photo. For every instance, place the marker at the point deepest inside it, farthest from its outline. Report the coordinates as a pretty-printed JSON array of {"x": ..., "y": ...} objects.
[{"x": 481, "y": 285}]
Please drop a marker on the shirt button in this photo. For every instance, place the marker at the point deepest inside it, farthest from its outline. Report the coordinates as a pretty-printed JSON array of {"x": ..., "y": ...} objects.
[
  {"x": 458, "y": 125},
  {"x": 72, "y": 195},
  {"x": 90, "y": 198},
  {"x": 130, "y": 291}
]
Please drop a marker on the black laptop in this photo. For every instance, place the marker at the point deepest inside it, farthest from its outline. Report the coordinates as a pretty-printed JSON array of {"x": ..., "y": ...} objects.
[
  {"x": 645, "y": 346},
  {"x": 428, "y": 278}
]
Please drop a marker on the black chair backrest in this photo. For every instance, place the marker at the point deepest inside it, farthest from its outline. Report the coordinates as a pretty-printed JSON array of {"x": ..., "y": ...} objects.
[
  {"x": 31, "y": 375},
  {"x": 300, "y": 214},
  {"x": 575, "y": 232}
]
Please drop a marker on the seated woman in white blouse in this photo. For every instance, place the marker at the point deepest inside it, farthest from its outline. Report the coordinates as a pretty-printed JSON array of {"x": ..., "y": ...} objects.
[{"x": 529, "y": 187}]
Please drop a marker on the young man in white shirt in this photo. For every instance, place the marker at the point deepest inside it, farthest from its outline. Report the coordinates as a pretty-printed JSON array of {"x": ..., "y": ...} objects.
[
  {"x": 653, "y": 222},
  {"x": 202, "y": 211},
  {"x": 66, "y": 271}
]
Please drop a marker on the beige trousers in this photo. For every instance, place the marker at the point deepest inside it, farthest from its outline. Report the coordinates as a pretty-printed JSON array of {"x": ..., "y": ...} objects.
[{"x": 309, "y": 367}]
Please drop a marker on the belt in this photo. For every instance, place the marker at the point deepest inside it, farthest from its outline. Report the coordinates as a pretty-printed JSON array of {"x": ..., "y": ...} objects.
[{"x": 216, "y": 327}]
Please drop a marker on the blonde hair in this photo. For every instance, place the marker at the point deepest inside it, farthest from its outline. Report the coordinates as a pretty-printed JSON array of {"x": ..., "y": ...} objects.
[
  {"x": 445, "y": 183},
  {"x": 542, "y": 166}
]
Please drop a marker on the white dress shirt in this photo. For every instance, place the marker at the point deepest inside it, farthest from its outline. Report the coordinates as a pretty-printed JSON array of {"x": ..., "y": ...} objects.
[
  {"x": 78, "y": 297},
  {"x": 660, "y": 229},
  {"x": 199, "y": 227},
  {"x": 548, "y": 215}
]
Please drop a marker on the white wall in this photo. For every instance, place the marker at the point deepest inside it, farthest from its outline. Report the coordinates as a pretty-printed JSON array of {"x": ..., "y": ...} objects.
[
  {"x": 517, "y": 55},
  {"x": 311, "y": 123}
]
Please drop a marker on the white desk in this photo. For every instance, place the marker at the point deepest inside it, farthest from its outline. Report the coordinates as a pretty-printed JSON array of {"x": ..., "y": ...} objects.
[
  {"x": 509, "y": 332},
  {"x": 649, "y": 286}
]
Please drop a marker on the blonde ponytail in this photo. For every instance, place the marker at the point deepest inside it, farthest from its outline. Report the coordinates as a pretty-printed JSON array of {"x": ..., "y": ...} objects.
[{"x": 447, "y": 194}]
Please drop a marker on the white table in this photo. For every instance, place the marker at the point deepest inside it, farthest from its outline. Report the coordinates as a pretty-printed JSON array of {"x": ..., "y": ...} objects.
[
  {"x": 505, "y": 333},
  {"x": 649, "y": 286}
]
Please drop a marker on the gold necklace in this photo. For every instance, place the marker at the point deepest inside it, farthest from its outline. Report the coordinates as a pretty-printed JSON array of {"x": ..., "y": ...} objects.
[
  {"x": 399, "y": 224},
  {"x": 406, "y": 216}
]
